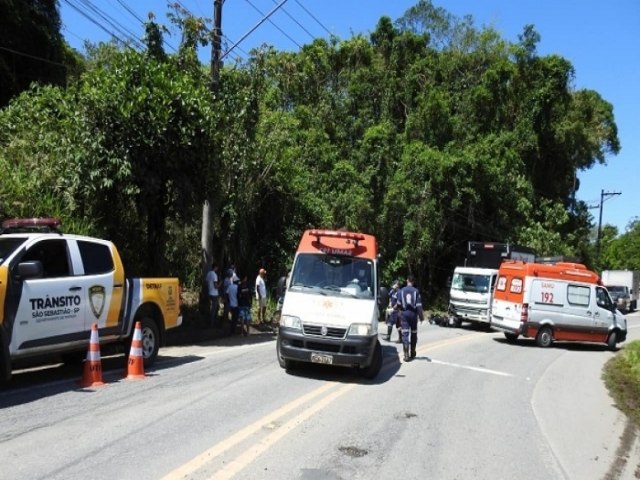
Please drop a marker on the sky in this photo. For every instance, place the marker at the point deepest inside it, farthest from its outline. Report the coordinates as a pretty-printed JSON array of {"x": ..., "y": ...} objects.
[{"x": 599, "y": 38}]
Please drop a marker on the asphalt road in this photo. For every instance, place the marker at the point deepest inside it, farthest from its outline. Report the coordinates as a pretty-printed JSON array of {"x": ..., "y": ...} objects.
[{"x": 470, "y": 406}]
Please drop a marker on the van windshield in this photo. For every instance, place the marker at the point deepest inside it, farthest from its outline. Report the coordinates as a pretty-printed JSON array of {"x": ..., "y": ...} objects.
[
  {"x": 469, "y": 282},
  {"x": 333, "y": 275}
]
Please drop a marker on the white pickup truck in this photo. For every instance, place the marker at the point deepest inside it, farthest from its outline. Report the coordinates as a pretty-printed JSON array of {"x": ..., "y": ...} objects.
[{"x": 55, "y": 286}]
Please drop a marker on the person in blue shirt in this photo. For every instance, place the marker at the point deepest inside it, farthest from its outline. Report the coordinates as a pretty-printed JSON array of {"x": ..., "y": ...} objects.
[{"x": 409, "y": 305}]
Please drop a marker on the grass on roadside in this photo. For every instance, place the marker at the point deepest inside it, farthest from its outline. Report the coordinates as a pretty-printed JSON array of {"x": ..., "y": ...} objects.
[{"x": 621, "y": 375}]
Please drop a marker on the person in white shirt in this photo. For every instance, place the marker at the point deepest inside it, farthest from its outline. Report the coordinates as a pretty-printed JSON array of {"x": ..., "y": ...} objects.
[
  {"x": 214, "y": 294},
  {"x": 261, "y": 295}
]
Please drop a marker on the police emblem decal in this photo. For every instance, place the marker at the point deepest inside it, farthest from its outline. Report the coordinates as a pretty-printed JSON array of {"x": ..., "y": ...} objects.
[
  {"x": 97, "y": 299},
  {"x": 324, "y": 330}
]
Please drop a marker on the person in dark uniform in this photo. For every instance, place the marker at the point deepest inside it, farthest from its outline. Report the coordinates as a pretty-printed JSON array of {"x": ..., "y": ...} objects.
[
  {"x": 393, "y": 315},
  {"x": 409, "y": 304}
]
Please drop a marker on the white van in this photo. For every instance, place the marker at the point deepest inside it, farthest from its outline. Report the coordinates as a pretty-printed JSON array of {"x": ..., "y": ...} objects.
[
  {"x": 330, "y": 311},
  {"x": 560, "y": 302}
]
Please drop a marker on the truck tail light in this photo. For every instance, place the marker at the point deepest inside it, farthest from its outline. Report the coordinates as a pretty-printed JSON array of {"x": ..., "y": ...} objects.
[{"x": 524, "y": 313}]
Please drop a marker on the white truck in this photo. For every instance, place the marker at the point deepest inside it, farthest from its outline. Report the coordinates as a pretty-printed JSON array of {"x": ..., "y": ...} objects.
[
  {"x": 472, "y": 284},
  {"x": 623, "y": 287}
]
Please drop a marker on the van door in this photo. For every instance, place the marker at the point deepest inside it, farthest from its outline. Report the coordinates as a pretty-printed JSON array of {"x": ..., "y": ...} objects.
[
  {"x": 603, "y": 316},
  {"x": 574, "y": 315}
]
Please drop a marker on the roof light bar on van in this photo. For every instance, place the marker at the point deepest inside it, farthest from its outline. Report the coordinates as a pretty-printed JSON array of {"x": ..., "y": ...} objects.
[{"x": 356, "y": 237}]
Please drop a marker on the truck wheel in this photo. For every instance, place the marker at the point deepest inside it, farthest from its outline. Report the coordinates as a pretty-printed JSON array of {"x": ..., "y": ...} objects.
[
  {"x": 511, "y": 337},
  {"x": 612, "y": 341},
  {"x": 284, "y": 362},
  {"x": 150, "y": 341},
  {"x": 376, "y": 363},
  {"x": 544, "y": 337}
]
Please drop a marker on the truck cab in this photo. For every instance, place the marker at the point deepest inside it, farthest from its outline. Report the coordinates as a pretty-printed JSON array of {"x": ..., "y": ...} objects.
[
  {"x": 621, "y": 297},
  {"x": 470, "y": 294},
  {"x": 330, "y": 312}
]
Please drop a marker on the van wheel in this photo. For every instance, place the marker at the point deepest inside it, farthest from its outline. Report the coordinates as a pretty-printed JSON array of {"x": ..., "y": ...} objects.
[
  {"x": 612, "y": 341},
  {"x": 284, "y": 362},
  {"x": 511, "y": 337},
  {"x": 544, "y": 337},
  {"x": 372, "y": 370}
]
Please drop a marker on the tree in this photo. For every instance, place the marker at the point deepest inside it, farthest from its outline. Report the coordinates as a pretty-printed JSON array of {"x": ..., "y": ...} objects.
[
  {"x": 32, "y": 49},
  {"x": 622, "y": 252}
]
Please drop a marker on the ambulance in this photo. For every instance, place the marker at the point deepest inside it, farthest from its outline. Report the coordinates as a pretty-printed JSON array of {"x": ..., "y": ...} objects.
[
  {"x": 558, "y": 302},
  {"x": 330, "y": 312}
]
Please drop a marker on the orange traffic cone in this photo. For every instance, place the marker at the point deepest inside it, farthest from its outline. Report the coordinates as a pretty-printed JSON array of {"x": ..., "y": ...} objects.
[
  {"x": 135, "y": 364},
  {"x": 92, "y": 375}
]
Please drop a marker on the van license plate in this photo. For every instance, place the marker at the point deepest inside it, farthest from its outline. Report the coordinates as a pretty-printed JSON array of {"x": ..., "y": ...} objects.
[{"x": 319, "y": 358}]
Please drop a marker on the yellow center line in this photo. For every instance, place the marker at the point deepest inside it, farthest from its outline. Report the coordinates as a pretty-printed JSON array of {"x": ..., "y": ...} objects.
[
  {"x": 263, "y": 445},
  {"x": 221, "y": 447}
]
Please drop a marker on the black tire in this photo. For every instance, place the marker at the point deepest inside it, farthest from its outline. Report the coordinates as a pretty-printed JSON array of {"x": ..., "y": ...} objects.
[
  {"x": 373, "y": 369},
  {"x": 150, "y": 341},
  {"x": 612, "y": 341},
  {"x": 284, "y": 362},
  {"x": 511, "y": 337},
  {"x": 545, "y": 337}
]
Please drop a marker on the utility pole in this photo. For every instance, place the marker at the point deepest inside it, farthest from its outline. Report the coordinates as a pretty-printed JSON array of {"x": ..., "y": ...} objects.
[
  {"x": 603, "y": 195},
  {"x": 216, "y": 46},
  {"x": 207, "y": 227}
]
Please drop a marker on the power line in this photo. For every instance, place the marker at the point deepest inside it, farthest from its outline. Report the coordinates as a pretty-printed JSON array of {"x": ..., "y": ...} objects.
[
  {"x": 131, "y": 12},
  {"x": 272, "y": 23},
  {"x": 95, "y": 22},
  {"x": 273, "y": 10},
  {"x": 312, "y": 16},
  {"x": 34, "y": 57},
  {"x": 113, "y": 23},
  {"x": 296, "y": 21}
]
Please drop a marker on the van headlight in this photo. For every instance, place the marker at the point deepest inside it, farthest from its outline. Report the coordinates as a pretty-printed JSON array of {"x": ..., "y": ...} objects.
[
  {"x": 361, "y": 329},
  {"x": 289, "y": 321}
]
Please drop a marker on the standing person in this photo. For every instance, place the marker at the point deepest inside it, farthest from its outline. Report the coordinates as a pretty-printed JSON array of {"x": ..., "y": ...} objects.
[
  {"x": 234, "y": 275},
  {"x": 228, "y": 280},
  {"x": 214, "y": 294},
  {"x": 410, "y": 306},
  {"x": 261, "y": 295},
  {"x": 232, "y": 297},
  {"x": 245, "y": 299},
  {"x": 393, "y": 315}
]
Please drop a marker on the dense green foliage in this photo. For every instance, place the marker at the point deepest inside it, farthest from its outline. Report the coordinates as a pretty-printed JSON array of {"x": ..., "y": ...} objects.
[
  {"x": 429, "y": 133},
  {"x": 31, "y": 47},
  {"x": 622, "y": 377}
]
